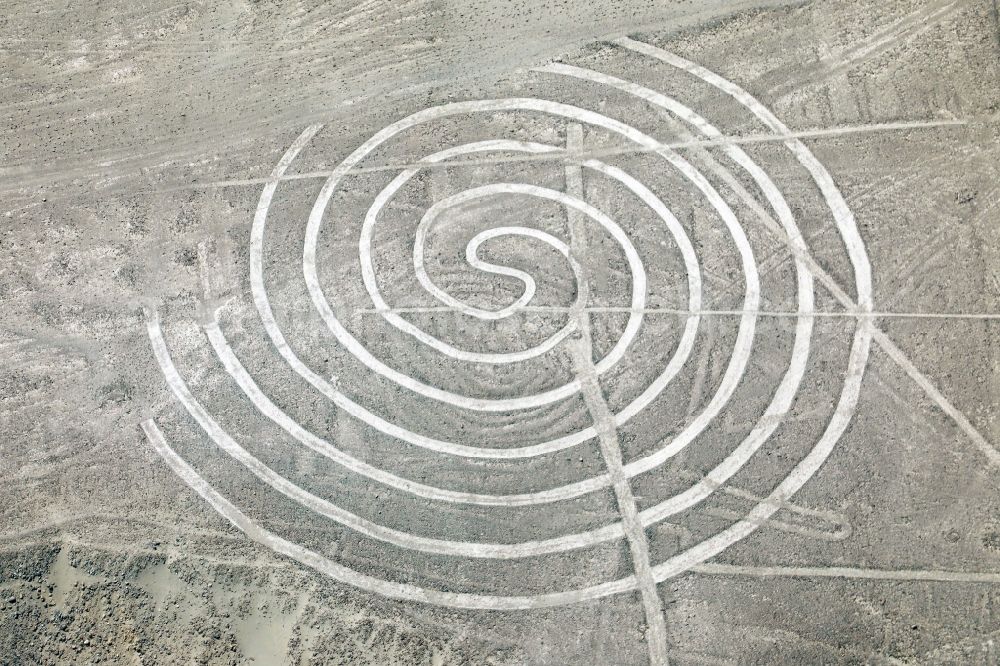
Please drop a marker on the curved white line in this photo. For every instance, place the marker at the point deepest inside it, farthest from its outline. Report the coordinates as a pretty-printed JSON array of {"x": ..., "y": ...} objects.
[
  {"x": 648, "y": 517},
  {"x": 786, "y": 390},
  {"x": 384, "y": 196},
  {"x": 263, "y": 404},
  {"x": 638, "y": 271},
  {"x": 730, "y": 380},
  {"x": 360, "y": 352},
  {"x": 471, "y": 256},
  {"x": 368, "y": 271},
  {"x": 846, "y": 223},
  {"x": 675, "y": 565},
  {"x": 325, "y": 508},
  {"x": 785, "y": 393},
  {"x": 405, "y": 591},
  {"x": 860, "y": 348},
  {"x": 757, "y": 434},
  {"x": 672, "y": 567},
  {"x": 788, "y": 387},
  {"x": 474, "y": 260},
  {"x": 783, "y": 396},
  {"x": 263, "y": 306},
  {"x": 802, "y": 472},
  {"x": 246, "y": 383},
  {"x": 336, "y": 571}
]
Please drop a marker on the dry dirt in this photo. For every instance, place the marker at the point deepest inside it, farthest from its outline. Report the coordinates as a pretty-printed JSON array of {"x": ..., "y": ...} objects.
[{"x": 143, "y": 140}]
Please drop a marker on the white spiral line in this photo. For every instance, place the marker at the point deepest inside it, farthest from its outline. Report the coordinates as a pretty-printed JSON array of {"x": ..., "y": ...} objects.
[
  {"x": 359, "y": 351},
  {"x": 639, "y": 286},
  {"x": 681, "y": 562},
  {"x": 368, "y": 270}
]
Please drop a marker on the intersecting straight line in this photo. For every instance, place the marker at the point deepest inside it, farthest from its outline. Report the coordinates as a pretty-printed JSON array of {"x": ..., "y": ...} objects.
[
  {"x": 579, "y": 155},
  {"x": 557, "y": 309},
  {"x": 604, "y": 423},
  {"x": 850, "y": 572},
  {"x": 829, "y": 188}
]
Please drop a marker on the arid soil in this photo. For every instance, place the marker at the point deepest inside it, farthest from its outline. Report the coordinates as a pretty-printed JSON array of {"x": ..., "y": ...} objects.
[{"x": 750, "y": 250}]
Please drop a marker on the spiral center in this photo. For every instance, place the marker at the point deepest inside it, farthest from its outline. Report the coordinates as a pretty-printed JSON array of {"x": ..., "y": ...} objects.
[{"x": 433, "y": 215}]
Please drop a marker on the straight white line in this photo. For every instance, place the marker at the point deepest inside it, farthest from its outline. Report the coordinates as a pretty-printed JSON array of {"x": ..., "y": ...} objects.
[
  {"x": 897, "y": 355},
  {"x": 604, "y": 422},
  {"x": 850, "y": 572},
  {"x": 360, "y": 351},
  {"x": 898, "y": 31},
  {"x": 610, "y": 152},
  {"x": 847, "y": 314},
  {"x": 841, "y": 211},
  {"x": 841, "y": 526},
  {"x": 607, "y": 431},
  {"x": 206, "y": 286}
]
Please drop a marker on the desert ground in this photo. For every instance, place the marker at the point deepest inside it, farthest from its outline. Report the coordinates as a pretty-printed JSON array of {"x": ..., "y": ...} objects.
[{"x": 498, "y": 332}]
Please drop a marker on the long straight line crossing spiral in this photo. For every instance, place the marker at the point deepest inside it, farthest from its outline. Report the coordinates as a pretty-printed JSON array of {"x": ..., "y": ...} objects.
[{"x": 531, "y": 380}]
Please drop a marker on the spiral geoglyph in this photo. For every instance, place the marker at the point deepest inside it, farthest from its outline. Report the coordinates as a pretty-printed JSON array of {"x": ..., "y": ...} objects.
[{"x": 740, "y": 176}]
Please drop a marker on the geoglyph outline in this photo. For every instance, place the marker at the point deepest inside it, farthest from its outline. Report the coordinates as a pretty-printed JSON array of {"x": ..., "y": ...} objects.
[{"x": 677, "y": 564}]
